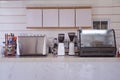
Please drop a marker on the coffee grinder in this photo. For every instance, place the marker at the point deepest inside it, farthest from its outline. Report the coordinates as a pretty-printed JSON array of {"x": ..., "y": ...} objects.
[
  {"x": 71, "y": 43},
  {"x": 61, "y": 49}
]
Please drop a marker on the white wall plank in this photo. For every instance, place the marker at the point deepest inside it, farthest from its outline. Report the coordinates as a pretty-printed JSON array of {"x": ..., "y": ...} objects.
[
  {"x": 116, "y": 2},
  {"x": 12, "y": 3},
  {"x": 115, "y": 18},
  {"x": 12, "y": 27},
  {"x": 116, "y": 10},
  {"x": 12, "y": 11},
  {"x": 59, "y": 3},
  {"x": 102, "y": 2},
  {"x": 115, "y": 26},
  {"x": 102, "y": 10},
  {"x": 12, "y": 19}
]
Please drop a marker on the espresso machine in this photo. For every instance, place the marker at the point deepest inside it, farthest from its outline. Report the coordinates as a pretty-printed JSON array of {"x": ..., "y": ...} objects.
[
  {"x": 61, "y": 49},
  {"x": 71, "y": 43}
]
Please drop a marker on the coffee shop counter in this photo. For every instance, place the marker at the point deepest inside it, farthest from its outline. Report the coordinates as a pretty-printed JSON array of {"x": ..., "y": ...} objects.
[
  {"x": 54, "y": 58},
  {"x": 59, "y": 68}
]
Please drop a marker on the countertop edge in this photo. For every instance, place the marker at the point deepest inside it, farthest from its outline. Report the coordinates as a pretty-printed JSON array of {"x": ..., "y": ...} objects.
[{"x": 60, "y": 59}]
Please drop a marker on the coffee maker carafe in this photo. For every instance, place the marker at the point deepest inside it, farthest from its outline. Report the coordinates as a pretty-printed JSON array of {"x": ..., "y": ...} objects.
[
  {"x": 71, "y": 44},
  {"x": 61, "y": 49}
]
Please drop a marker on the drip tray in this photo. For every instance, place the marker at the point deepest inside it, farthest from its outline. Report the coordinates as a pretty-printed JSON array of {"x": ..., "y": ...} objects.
[{"x": 32, "y": 55}]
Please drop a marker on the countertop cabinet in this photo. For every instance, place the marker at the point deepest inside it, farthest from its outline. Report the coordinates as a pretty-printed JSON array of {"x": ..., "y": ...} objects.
[
  {"x": 59, "y": 17},
  {"x": 83, "y": 17},
  {"x": 50, "y": 17},
  {"x": 34, "y": 17},
  {"x": 67, "y": 17}
]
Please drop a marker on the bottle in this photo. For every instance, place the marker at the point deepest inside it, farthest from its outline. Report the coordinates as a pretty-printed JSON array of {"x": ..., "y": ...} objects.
[
  {"x": 55, "y": 46},
  {"x": 118, "y": 54}
]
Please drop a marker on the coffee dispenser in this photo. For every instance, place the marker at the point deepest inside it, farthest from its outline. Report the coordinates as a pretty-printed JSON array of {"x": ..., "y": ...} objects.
[
  {"x": 71, "y": 44},
  {"x": 61, "y": 49}
]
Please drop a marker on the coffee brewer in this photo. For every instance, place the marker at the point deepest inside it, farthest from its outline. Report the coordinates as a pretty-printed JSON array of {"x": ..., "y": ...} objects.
[
  {"x": 71, "y": 44},
  {"x": 61, "y": 49}
]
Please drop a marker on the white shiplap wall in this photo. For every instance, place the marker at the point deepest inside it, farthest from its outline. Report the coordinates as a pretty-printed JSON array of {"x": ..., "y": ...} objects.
[
  {"x": 116, "y": 19},
  {"x": 108, "y": 9},
  {"x": 12, "y": 17},
  {"x": 13, "y": 14}
]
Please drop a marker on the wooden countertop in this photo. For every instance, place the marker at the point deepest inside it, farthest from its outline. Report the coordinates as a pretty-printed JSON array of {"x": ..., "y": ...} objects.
[{"x": 51, "y": 58}]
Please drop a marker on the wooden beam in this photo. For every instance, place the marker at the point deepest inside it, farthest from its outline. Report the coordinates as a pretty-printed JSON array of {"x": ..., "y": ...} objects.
[
  {"x": 58, "y": 28},
  {"x": 71, "y": 7}
]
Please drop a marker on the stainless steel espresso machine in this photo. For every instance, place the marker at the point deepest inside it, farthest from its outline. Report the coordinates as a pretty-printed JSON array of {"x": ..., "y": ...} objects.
[{"x": 97, "y": 43}]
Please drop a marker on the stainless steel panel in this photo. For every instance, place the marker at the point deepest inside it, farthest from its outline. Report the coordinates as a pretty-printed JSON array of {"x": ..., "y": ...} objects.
[
  {"x": 31, "y": 45},
  {"x": 40, "y": 44}
]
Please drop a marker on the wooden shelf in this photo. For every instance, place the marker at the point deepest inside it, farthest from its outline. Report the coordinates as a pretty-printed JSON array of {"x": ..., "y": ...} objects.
[
  {"x": 54, "y": 28},
  {"x": 71, "y": 7}
]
